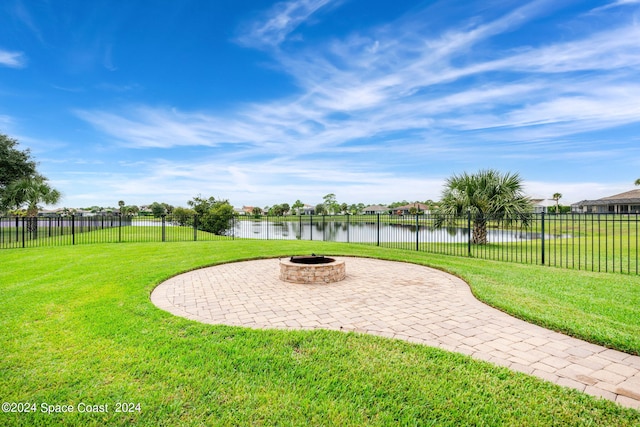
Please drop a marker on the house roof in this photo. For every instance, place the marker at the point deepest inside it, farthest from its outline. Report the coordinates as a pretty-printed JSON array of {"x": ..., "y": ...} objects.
[
  {"x": 633, "y": 194},
  {"x": 420, "y": 206},
  {"x": 376, "y": 208},
  {"x": 628, "y": 197}
]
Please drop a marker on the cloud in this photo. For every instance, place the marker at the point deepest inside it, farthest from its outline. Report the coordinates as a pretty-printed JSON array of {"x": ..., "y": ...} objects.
[
  {"x": 12, "y": 59},
  {"x": 257, "y": 182},
  {"x": 372, "y": 110},
  {"x": 617, "y": 3},
  {"x": 146, "y": 127},
  {"x": 349, "y": 93},
  {"x": 5, "y": 121},
  {"x": 281, "y": 20}
]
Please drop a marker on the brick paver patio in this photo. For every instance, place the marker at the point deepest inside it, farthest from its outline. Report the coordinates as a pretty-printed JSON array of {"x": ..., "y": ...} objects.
[{"x": 403, "y": 301}]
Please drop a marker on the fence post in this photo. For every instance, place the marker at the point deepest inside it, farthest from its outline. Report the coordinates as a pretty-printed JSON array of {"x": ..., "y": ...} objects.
[
  {"x": 348, "y": 227},
  {"x": 378, "y": 230},
  {"x": 163, "y": 229},
  {"x": 542, "y": 237},
  {"x": 23, "y": 234},
  {"x": 120, "y": 228},
  {"x": 417, "y": 234},
  {"x": 468, "y": 232},
  {"x": 195, "y": 228},
  {"x": 311, "y": 227},
  {"x": 73, "y": 229}
]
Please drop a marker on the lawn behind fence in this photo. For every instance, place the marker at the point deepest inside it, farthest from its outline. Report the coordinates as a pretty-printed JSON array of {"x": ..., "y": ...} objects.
[{"x": 79, "y": 329}]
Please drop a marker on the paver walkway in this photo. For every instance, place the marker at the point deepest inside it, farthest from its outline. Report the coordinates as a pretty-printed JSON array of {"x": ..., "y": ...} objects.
[{"x": 404, "y": 301}]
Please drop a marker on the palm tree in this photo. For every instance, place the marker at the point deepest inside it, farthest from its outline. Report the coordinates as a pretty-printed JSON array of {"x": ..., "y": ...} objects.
[
  {"x": 637, "y": 181},
  {"x": 31, "y": 191},
  {"x": 486, "y": 195},
  {"x": 557, "y": 197}
]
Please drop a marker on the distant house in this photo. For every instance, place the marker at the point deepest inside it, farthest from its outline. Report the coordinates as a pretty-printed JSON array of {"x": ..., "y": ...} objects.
[
  {"x": 49, "y": 213},
  {"x": 245, "y": 210},
  {"x": 145, "y": 210},
  {"x": 623, "y": 203},
  {"x": 85, "y": 212},
  {"x": 375, "y": 209},
  {"x": 240, "y": 211},
  {"x": 407, "y": 209},
  {"x": 542, "y": 205},
  {"x": 307, "y": 210}
]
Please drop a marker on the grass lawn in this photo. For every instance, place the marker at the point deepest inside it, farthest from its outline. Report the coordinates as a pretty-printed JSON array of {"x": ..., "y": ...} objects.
[{"x": 79, "y": 329}]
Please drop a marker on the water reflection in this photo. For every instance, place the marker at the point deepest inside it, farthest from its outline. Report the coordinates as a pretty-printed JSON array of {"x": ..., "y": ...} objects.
[{"x": 370, "y": 232}]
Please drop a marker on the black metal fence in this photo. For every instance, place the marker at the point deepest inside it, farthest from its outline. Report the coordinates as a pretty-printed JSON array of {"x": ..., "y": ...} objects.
[
  {"x": 23, "y": 232},
  {"x": 598, "y": 242}
]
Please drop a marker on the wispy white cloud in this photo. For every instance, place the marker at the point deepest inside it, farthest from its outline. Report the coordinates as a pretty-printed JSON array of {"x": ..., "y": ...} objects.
[
  {"x": 616, "y": 3},
  {"x": 12, "y": 59},
  {"x": 262, "y": 183},
  {"x": 145, "y": 127},
  {"x": 607, "y": 50},
  {"x": 5, "y": 120},
  {"x": 21, "y": 13},
  {"x": 279, "y": 22},
  {"x": 399, "y": 90}
]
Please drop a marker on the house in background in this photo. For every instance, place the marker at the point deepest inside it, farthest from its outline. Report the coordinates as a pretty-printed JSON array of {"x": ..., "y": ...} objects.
[
  {"x": 308, "y": 210},
  {"x": 406, "y": 209},
  {"x": 623, "y": 203},
  {"x": 244, "y": 210},
  {"x": 375, "y": 209},
  {"x": 541, "y": 205}
]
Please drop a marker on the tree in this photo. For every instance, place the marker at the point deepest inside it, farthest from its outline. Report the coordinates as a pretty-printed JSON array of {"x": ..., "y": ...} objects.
[
  {"x": 158, "y": 209},
  {"x": 123, "y": 209},
  {"x": 276, "y": 210},
  {"x": 214, "y": 216},
  {"x": 557, "y": 197},
  {"x": 637, "y": 181},
  {"x": 168, "y": 209},
  {"x": 320, "y": 209},
  {"x": 30, "y": 191},
  {"x": 297, "y": 206},
  {"x": 486, "y": 195},
  {"x": 14, "y": 165},
  {"x": 331, "y": 206},
  {"x": 183, "y": 216},
  {"x": 256, "y": 212}
]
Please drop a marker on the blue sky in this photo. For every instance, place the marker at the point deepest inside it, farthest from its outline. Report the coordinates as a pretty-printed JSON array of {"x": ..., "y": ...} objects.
[{"x": 375, "y": 101}]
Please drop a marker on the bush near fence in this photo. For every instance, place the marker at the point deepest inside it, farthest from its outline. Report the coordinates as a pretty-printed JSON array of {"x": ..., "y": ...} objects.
[{"x": 595, "y": 242}]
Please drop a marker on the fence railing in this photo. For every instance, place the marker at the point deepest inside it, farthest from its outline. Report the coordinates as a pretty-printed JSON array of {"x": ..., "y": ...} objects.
[
  {"x": 23, "y": 232},
  {"x": 595, "y": 242}
]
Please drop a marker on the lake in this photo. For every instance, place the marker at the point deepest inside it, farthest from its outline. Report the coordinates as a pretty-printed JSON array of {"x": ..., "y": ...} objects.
[{"x": 368, "y": 232}]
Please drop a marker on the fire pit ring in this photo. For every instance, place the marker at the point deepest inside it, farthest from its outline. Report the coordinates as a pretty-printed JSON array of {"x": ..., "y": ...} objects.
[{"x": 312, "y": 269}]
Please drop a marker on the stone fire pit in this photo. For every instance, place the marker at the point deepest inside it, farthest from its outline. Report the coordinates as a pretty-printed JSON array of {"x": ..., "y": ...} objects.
[{"x": 312, "y": 269}]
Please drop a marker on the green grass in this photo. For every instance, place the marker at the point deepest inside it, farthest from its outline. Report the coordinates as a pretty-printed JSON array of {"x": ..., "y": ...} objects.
[{"x": 78, "y": 327}]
